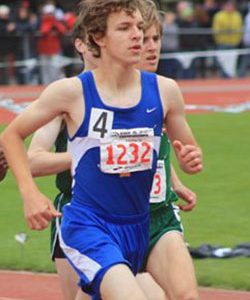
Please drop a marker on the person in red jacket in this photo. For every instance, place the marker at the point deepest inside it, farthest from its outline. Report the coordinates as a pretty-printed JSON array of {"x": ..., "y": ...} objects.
[{"x": 49, "y": 45}]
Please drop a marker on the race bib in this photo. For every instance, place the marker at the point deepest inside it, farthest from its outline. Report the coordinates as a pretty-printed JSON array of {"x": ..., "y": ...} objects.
[
  {"x": 100, "y": 124},
  {"x": 127, "y": 150},
  {"x": 159, "y": 187}
]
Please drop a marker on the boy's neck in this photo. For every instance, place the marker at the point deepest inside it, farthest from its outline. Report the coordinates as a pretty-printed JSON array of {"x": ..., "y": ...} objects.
[{"x": 116, "y": 75}]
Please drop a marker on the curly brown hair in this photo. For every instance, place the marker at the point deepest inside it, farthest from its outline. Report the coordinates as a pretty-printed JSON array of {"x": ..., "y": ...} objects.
[
  {"x": 94, "y": 15},
  {"x": 151, "y": 15}
]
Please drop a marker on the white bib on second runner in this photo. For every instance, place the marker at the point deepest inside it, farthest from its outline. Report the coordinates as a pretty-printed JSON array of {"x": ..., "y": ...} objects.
[
  {"x": 127, "y": 150},
  {"x": 159, "y": 186}
]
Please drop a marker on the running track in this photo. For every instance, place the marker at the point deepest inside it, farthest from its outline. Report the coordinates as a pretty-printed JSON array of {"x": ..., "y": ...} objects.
[
  {"x": 218, "y": 92},
  {"x": 33, "y": 286}
]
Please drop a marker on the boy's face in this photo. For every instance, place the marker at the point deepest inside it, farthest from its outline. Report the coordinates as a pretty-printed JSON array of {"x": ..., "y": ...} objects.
[
  {"x": 151, "y": 50},
  {"x": 124, "y": 37}
]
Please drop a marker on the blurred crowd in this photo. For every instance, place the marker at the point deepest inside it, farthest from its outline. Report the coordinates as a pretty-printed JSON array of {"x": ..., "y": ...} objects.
[
  {"x": 42, "y": 35},
  {"x": 42, "y": 38},
  {"x": 207, "y": 26}
]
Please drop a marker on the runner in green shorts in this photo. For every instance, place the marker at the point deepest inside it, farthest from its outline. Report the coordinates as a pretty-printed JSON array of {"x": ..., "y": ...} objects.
[
  {"x": 163, "y": 214},
  {"x": 168, "y": 261}
]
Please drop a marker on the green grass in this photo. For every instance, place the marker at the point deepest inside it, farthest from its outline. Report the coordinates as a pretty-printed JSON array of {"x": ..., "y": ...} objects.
[
  {"x": 221, "y": 217},
  {"x": 35, "y": 254},
  {"x": 224, "y": 273},
  {"x": 222, "y": 214}
]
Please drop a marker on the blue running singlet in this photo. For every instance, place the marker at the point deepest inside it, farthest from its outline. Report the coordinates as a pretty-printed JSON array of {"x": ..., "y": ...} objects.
[{"x": 114, "y": 151}]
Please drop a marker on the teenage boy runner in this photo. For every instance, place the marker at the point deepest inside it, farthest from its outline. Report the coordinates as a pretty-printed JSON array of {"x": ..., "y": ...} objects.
[
  {"x": 115, "y": 76},
  {"x": 44, "y": 162},
  {"x": 168, "y": 257}
]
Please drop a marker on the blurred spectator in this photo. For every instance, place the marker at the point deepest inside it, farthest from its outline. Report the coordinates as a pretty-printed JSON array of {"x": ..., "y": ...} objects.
[
  {"x": 170, "y": 67},
  {"x": 26, "y": 26},
  {"x": 188, "y": 42},
  {"x": 211, "y": 8},
  {"x": 70, "y": 19},
  {"x": 181, "y": 6},
  {"x": 244, "y": 62},
  {"x": 7, "y": 45},
  {"x": 202, "y": 19},
  {"x": 170, "y": 33},
  {"x": 49, "y": 44},
  {"x": 227, "y": 26},
  {"x": 59, "y": 13},
  {"x": 68, "y": 46}
]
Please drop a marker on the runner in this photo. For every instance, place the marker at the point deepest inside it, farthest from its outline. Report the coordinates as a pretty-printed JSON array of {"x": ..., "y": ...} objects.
[
  {"x": 168, "y": 256},
  {"x": 44, "y": 162},
  {"x": 115, "y": 79}
]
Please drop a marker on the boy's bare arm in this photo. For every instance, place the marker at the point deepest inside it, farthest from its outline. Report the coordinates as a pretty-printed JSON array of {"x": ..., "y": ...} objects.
[
  {"x": 184, "y": 193},
  {"x": 58, "y": 98},
  {"x": 42, "y": 160},
  {"x": 188, "y": 153}
]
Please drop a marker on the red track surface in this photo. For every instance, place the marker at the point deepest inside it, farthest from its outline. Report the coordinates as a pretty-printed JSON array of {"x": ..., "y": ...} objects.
[
  {"x": 31, "y": 286},
  {"x": 202, "y": 92},
  {"x": 216, "y": 91},
  {"x": 34, "y": 286}
]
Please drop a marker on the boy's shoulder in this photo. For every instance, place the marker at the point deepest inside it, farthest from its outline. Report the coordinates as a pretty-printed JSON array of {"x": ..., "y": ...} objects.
[{"x": 65, "y": 88}]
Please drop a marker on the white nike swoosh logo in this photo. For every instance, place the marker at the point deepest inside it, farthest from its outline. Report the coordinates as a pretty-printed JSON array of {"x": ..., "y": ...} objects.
[{"x": 149, "y": 110}]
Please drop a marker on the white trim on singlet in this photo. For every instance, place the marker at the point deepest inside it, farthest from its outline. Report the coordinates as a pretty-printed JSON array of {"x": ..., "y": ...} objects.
[
  {"x": 78, "y": 147},
  {"x": 157, "y": 142},
  {"x": 56, "y": 229}
]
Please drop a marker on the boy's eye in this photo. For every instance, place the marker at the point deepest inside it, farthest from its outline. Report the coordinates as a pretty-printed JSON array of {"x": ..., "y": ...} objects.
[{"x": 122, "y": 28}]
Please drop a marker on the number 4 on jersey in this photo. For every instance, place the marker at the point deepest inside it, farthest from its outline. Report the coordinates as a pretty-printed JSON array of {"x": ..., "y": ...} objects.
[{"x": 100, "y": 124}]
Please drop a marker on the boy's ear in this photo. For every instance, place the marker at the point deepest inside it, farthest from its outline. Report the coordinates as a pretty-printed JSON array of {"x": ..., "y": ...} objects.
[
  {"x": 99, "y": 39},
  {"x": 80, "y": 46}
]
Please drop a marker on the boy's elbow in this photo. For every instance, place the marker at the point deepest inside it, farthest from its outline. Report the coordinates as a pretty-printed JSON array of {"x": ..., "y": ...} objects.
[
  {"x": 8, "y": 136},
  {"x": 4, "y": 139},
  {"x": 32, "y": 159}
]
